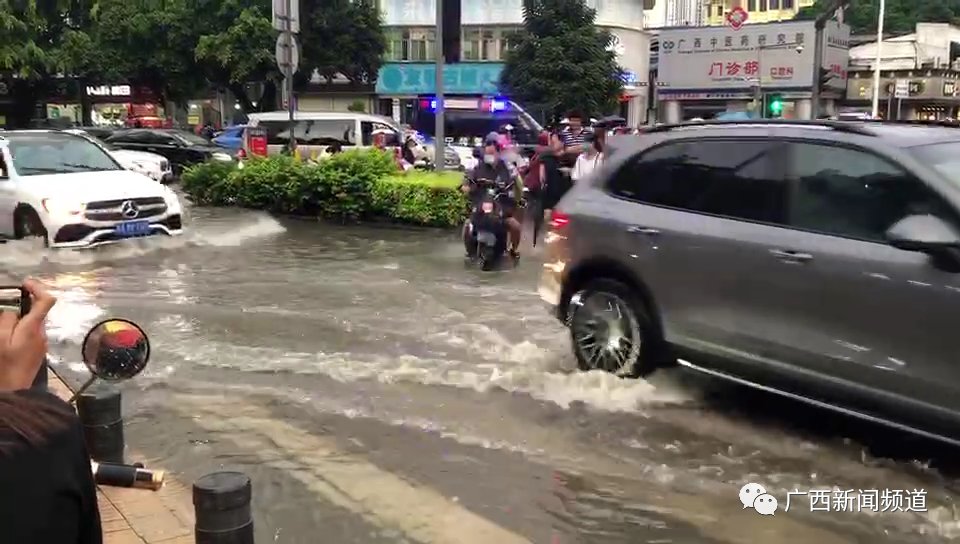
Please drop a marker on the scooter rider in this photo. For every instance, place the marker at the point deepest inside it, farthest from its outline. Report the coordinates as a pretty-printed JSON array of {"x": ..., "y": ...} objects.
[{"x": 494, "y": 168}]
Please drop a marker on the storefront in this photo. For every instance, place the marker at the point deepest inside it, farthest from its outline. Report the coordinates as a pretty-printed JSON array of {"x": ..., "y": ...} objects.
[
  {"x": 703, "y": 71},
  {"x": 932, "y": 94},
  {"x": 110, "y": 105}
]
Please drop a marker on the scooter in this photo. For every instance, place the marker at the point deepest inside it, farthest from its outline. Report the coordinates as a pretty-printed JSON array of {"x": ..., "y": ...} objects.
[{"x": 485, "y": 234}]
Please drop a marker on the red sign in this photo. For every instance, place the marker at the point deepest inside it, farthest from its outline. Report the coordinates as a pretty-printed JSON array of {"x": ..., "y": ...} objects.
[
  {"x": 720, "y": 69},
  {"x": 737, "y": 17}
]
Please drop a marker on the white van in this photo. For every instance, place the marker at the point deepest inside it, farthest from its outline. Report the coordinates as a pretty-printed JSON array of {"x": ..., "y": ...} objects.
[{"x": 317, "y": 131}]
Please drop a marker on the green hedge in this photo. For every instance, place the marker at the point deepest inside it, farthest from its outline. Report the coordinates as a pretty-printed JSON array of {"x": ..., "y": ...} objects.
[{"x": 353, "y": 185}]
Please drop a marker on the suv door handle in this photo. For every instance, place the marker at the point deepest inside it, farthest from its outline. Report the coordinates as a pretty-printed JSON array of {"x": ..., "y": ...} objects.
[
  {"x": 792, "y": 256},
  {"x": 636, "y": 229}
]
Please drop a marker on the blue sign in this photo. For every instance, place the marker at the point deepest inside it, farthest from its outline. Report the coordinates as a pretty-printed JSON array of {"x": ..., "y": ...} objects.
[{"x": 418, "y": 78}]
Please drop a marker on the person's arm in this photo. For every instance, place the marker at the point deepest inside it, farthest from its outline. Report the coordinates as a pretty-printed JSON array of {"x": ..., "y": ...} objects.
[{"x": 577, "y": 171}]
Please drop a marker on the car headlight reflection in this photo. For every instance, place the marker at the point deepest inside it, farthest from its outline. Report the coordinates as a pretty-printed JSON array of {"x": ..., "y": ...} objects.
[{"x": 62, "y": 208}]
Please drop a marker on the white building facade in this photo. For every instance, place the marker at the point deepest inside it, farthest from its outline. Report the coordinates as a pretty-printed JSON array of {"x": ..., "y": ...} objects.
[{"x": 475, "y": 60}]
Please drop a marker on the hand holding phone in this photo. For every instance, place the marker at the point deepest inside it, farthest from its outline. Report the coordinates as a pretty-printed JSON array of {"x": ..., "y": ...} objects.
[{"x": 14, "y": 298}]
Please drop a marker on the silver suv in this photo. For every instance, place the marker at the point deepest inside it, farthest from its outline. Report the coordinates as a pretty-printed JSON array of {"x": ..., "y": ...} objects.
[{"x": 820, "y": 260}]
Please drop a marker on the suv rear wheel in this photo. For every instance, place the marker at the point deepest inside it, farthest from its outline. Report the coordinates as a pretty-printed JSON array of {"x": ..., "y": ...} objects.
[{"x": 611, "y": 330}]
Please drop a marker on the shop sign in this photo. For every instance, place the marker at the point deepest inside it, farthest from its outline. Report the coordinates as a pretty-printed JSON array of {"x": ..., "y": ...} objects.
[
  {"x": 412, "y": 78},
  {"x": 109, "y": 90},
  {"x": 911, "y": 88},
  {"x": 949, "y": 88},
  {"x": 723, "y": 57}
]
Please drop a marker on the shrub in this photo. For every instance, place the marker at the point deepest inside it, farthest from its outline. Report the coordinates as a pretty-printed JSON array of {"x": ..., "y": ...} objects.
[
  {"x": 360, "y": 184},
  {"x": 422, "y": 198},
  {"x": 209, "y": 183}
]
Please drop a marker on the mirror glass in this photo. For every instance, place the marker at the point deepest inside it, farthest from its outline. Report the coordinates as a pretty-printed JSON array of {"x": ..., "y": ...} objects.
[
  {"x": 922, "y": 233},
  {"x": 116, "y": 349}
]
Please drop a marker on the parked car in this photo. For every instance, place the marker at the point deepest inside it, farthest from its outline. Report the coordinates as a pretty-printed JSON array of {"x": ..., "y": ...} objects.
[
  {"x": 71, "y": 192},
  {"x": 819, "y": 260},
  {"x": 180, "y": 147},
  {"x": 230, "y": 138},
  {"x": 155, "y": 167}
]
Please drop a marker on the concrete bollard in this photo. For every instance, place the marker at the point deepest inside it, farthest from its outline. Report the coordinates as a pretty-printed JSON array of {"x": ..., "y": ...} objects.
[
  {"x": 99, "y": 411},
  {"x": 221, "y": 503}
]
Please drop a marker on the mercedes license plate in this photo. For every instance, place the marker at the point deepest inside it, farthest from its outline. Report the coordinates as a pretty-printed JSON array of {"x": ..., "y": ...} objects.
[{"x": 133, "y": 228}]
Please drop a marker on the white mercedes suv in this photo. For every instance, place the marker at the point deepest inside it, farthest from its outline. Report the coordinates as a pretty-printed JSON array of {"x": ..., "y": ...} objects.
[{"x": 69, "y": 191}]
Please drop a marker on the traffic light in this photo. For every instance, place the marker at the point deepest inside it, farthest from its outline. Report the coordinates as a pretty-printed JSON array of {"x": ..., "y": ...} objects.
[
  {"x": 825, "y": 76},
  {"x": 774, "y": 106}
]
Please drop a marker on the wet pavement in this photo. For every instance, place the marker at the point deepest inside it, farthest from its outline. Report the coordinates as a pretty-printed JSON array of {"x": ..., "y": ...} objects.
[{"x": 377, "y": 390}]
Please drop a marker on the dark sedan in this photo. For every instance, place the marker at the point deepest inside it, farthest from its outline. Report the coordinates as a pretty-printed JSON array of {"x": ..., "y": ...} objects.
[{"x": 180, "y": 147}]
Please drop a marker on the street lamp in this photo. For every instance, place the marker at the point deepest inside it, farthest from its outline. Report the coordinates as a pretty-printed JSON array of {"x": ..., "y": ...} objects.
[{"x": 876, "y": 66}]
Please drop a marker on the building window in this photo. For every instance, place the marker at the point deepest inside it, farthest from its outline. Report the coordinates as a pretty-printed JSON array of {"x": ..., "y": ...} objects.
[
  {"x": 751, "y": 5},
  {"x": 410, "y": 44},
  {"x": 719, "y": 11},
  {"x": 486, "y": 44},
  {"x": 786, "y": 4},
  {"x": 774, "y": 5}
]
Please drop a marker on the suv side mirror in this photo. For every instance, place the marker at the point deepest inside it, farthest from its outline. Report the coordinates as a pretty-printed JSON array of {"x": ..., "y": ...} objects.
[{"x": 926, "y": 233}]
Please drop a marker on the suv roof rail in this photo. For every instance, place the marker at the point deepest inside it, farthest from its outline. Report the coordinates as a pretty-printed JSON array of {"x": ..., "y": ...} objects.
[
  {"x": 852, "y": 127},
  {"x": 921, "y": 122}
]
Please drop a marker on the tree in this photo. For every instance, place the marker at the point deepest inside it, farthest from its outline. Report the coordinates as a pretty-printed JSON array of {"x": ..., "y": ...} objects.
[
  {"x": 152, "y": 44},
  {"x": 243, "y": 51},
  {"x": 342, "y": 37},
  {"x": 901, "y": 15},
  {"x": 561, "y": 60}
]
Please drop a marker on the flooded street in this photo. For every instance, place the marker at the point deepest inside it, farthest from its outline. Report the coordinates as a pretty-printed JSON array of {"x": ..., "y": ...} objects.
[{"x": 377, "y": 390}]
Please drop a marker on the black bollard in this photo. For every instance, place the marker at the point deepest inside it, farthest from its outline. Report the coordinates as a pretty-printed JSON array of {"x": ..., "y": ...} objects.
[
  {"x": 40, "y": 380},
  {"x": 99, "y": 411},
  {"x": 221, "y": 503}
]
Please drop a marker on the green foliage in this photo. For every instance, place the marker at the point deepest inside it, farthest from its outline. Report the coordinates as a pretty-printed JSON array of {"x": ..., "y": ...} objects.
[
  {"x": 342, "y": 36},
  {"x": 357, "y": 106},
  {"x": 901, "y": 16},
  {"x": 421, "y": 198},
  {"x": 561, "y": 60},
  {"x": 352, "y": 185}
]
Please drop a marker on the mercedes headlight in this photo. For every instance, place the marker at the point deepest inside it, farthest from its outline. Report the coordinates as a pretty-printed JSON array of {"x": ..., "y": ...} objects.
[{"x": 62, "y": 208}]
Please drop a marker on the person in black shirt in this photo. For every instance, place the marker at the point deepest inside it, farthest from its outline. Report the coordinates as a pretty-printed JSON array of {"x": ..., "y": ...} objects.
[
  {"x": 555, "y": 182},
  {"x": 47, "y": 492}
]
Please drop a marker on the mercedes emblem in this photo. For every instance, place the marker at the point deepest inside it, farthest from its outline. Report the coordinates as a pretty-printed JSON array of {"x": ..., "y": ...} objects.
[{"x": 129, "y": 209}]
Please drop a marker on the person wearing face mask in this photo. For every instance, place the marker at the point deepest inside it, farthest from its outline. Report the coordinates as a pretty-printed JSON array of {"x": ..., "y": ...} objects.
[
  {"x": 493, "y": 168},
  {"x": 589, "y": 159}
]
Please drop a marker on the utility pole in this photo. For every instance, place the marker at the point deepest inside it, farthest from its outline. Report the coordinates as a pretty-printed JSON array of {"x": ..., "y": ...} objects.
[
  {"x": 819, "y": 24},
  {"x": 439, "y": 144},
  {"x": 876, "y": 66},
  {"x": 288, "y": 73},
  {"x": 286, "y": 19}
]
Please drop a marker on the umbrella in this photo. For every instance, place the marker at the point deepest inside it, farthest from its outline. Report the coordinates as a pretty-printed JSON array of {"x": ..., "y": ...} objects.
[{"x": 611, "y": 121}]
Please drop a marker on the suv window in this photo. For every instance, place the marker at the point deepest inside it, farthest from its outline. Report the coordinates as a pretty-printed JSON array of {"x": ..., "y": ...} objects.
[
  {"x": 368, "y": 127},
  {"x": 312, "y": 132},
  {"x": 735, "y": 179},
  {"x": 854, "y": 193},
  {"x": 157, "y": 138}
]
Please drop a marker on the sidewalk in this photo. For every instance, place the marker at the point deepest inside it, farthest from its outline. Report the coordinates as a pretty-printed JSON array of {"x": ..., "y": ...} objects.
[{"x": 139, "y": 516}]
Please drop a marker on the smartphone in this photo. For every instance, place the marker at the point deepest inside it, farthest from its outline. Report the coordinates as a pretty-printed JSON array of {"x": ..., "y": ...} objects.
[{"x": 14, "y": 299}]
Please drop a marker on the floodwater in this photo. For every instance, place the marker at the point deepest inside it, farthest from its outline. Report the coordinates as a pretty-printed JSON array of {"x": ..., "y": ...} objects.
[{"x": 377, "y": 390}]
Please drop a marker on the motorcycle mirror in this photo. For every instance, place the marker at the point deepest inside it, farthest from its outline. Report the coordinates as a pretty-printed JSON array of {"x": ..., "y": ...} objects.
[{"x": 114, "y": 350}]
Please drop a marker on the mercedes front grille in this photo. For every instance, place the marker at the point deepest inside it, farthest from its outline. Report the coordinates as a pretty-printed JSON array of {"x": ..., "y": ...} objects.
[{"x": 112, "y": 210}]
